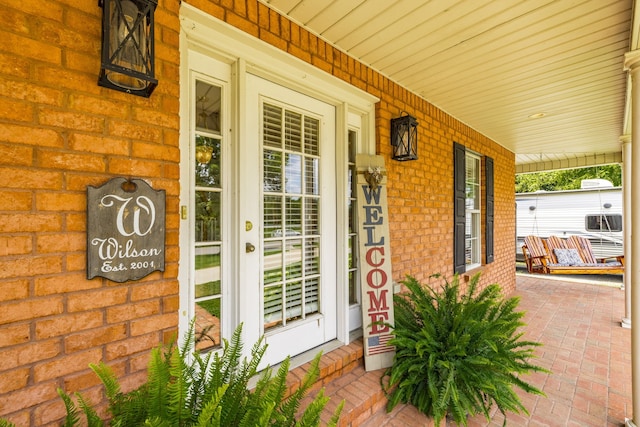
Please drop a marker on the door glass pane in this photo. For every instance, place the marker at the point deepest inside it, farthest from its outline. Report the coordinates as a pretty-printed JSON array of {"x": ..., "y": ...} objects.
[
  {"x": 312, "y": 296},
  {"x": 293, "y": 258},
  {"x": 311, "y": 176},
  {"x": 207, "y": 161},
  {"x": 272, "y": 306},
  {"x": 273, "y": 262},
  {"x": 207, "y": 271},
  {"x": 293, "y": 131},
  {"x": 312, "y": 216},
  {"x": 272, "y": 126},
  {"x": 207, "y": 216},
  {"x": 293, "y": 216},
  {"x": 311, "y": 133},
  {"x": 312, "y": 257},
  {"x": 272, "y": 216},
  {"x": 207, "y": 222},
  {"x": 294, "y": 300},
  {"x": 207, "y": 295},
  {"x": 207, "y": 107},
  {"x": 272, "y": 171},
  {"x": 291, "y": 220},
  {"x": 293, "y": 174}
]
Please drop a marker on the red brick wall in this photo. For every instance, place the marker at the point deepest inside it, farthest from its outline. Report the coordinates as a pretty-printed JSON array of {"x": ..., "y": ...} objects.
[
  {"x": 420, "y": 193},
  {"x": 60, "y": 132}
]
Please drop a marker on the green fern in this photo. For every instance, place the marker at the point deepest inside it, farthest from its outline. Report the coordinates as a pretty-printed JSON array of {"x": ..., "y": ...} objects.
[
  {"x": 186, "y": 388},
  {"x": 72, "y": 418},
  {"x": 458, "y": 354},
  {"x": 93, "y": 419},
  {"x": 73, "y": 412},
  {"x": 211, "y": 411}
]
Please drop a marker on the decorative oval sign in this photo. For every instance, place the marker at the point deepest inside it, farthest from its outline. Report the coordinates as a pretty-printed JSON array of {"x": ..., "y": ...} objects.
[{"x": 125, "y": 230}]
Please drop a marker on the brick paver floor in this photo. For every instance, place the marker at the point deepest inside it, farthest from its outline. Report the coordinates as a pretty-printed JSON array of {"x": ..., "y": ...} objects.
[{"x": 584, "y": 347}]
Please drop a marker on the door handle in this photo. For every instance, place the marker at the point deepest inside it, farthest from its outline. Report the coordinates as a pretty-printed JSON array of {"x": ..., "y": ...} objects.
[{"x": 250, "y": 248}]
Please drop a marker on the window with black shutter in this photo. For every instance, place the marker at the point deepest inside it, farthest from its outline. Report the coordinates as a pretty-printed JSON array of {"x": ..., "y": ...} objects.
[{"x": 468, "y": 207}]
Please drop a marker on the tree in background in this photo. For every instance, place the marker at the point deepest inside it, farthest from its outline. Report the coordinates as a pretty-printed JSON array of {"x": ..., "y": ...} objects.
[{"x": 566, "y": 179}]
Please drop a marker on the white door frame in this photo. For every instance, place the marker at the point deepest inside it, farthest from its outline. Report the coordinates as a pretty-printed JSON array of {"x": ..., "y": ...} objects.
[{"x": 210, "y": 36}]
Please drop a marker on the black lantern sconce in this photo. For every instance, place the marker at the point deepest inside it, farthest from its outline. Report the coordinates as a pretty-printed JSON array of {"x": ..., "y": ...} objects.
[
  {"x": 404, "y": 138},
  {"x": 128, "y": 46}
]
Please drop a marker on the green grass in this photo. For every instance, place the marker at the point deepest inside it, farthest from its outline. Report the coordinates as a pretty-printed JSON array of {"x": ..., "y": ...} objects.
[
  {"x": 207, "y": 261},
  {"x": 212, "y": 306},
  {"x": 208, "y": 289}
]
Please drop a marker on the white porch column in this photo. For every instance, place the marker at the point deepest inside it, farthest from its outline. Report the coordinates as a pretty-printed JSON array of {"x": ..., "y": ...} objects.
[
  {"x": 632, "y": 64},
  {"x": 626, "y": 206}
]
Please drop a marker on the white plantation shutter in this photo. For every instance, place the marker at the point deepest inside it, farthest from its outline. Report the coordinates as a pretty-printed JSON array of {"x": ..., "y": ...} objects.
[{"x": 291, "y": 215}]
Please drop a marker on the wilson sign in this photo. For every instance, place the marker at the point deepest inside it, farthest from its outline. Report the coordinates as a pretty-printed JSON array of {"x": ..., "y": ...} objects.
[{"x": 125, "y": 230}]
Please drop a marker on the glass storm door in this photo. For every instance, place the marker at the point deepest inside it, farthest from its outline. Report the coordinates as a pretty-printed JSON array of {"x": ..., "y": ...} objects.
[{"x": 289, "y": 189}]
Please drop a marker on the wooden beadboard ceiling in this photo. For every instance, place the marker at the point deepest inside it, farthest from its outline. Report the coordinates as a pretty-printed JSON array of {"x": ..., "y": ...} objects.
[{"x": 494, "y": 63}]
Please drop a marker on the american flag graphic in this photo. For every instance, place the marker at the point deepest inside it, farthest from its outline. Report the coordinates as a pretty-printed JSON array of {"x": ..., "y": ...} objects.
[{"x": 378, "y": 344}]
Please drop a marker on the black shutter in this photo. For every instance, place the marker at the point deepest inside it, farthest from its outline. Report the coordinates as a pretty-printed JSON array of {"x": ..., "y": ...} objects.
[
  {"x": 488, "y": 244},
  {"x": 459, "y": 198}
]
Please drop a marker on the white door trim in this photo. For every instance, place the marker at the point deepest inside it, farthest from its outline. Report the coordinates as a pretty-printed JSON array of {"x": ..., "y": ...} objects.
[{"x": 210, "y": 36}]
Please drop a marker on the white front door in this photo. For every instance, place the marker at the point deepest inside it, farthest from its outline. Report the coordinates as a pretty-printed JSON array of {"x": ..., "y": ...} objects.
[{"x": 287, "y": 212}]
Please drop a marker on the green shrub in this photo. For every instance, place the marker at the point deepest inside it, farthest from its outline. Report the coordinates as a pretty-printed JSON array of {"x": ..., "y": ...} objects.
[
  {"x": 458, "y": 354},
  {"x": 186, "y": 388}
]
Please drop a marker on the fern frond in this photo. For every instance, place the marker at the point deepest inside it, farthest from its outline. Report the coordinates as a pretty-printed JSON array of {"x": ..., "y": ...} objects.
[
  {"x": 178, "y": 391},
  {"x": 335, "y": 417},
  {"x": 260, "y": 415},
  {"x": 72, "y": 418},
  {"x": 108, "y": 378},
  {"x": 157, "y": 422},
  {"x": 237, "y": 374},
  {"x": 93, "y": 419},
  {"x": 232, "y": 353},
  {"x": 158, "y": 379},
  {"x": 311, "y": 415},
  {"x": 130, "y": 409},
  {"x": 210, "y": 416}
]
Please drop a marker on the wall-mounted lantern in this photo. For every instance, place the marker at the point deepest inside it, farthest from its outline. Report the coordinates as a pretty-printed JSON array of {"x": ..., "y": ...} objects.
[
  {"x": 128, "y": 46},
  {"x": 404, "y": 138}
]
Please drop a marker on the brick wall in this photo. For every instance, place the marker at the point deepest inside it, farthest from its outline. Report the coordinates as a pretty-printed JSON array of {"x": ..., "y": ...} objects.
[{"x": 60, "y": 132}]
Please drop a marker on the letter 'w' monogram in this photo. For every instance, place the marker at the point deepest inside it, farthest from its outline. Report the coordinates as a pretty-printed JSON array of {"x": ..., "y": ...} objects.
[{"x": 142, "y": 204}]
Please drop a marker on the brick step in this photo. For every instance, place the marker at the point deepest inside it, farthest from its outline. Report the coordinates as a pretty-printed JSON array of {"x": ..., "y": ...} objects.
[{"x": 343, "y": 376}]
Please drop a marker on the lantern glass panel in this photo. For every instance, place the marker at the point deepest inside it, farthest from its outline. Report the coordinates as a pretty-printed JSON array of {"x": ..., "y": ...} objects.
[{"x": 127, "y": 44}]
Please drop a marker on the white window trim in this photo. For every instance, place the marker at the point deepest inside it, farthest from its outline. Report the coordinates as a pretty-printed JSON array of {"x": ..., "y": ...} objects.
[{"x": 476, "y": 214}]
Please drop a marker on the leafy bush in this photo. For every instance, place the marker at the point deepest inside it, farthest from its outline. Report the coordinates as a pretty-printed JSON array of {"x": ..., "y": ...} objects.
[
  {"x": 186, "y": 388},
  {"x": 458, "y": 354}
]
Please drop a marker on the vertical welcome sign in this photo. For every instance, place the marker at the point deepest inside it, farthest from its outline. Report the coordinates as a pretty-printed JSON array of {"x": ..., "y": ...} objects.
[{"x": 375, "y": 261}]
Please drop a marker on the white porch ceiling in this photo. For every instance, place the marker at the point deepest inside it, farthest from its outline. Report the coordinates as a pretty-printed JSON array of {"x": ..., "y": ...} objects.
[{"x": 494, "y": 63}]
